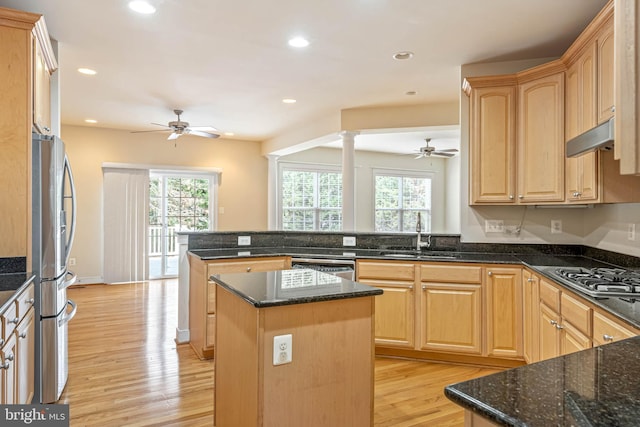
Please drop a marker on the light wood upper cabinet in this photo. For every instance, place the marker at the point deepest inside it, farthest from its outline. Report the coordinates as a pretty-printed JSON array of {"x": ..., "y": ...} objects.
[
  {"x": 504, "y": 311},
  {"x": 605, "y": 73},
  {"x": 541, "y": 139},
  {"x": 41, "y": 91},
  {"x": 580, "y": 115},
  {"x": 493, "y": 143},
  {"x": 20, "y": 32}
]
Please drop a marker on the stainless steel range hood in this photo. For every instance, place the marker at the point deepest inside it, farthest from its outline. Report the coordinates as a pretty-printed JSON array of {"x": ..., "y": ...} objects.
[{"x": 598, "y": 138}]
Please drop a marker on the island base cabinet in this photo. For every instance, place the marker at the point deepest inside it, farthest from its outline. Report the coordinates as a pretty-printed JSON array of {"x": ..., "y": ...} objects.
[
  {"x": 329, "y": 381},
  {"x": 474, "y": 420}
]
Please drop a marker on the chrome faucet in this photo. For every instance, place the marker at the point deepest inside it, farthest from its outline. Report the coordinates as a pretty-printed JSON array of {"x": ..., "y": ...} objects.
[{"x": 419, "y": 243}]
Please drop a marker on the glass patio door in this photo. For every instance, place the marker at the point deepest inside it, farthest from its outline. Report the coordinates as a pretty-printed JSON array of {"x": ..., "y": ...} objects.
[{"x": 177, "y": 202}]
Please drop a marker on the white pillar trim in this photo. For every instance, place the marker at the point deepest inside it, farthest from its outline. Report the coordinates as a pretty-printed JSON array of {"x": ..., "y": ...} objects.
[
  {"x": 272, "y": 192},
  {"x": 348, "y": 180}
]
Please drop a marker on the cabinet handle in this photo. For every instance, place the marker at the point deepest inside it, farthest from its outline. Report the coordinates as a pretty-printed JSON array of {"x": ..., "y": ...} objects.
[
  {"x": 14, "y": 320},
  {"x": 530, "y": 280},
  {"x": 490, "y": 273},
  {"x": 248, "y": 269},
  {"x": 607, "y": 337},
  {"x": 31, "y": 301},
  {"x": 23, "y": 335},
  {"x": 47, "y": 129},
  {"x": 559, "y": 326},
  {"x": 613, "y": 108},
  {"x": 511, "y": 197},
  {"x": 553, "y": 322},
  {"x": 1, "y": 342},
  {"x": 5, "y": 365},
  {"x": 520, "y": 196}
]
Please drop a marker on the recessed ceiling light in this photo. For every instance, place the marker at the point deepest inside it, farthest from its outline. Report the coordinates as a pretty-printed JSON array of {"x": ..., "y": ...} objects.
[
  {"x": 90, "y": 121},
  {"x": 229, "y": 134},
  {"x": 411, "y": 93},
  {"x": 141, "y": 6},
  {"x": 87, "y": 71},
  {"x": 400, "y": 56},
  {"x": 298, "y": 42},
  {"x": 289, "y": 101}
]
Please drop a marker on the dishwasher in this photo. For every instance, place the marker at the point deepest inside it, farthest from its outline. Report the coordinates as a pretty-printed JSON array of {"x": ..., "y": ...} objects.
[{"x": 344, "y": 268}]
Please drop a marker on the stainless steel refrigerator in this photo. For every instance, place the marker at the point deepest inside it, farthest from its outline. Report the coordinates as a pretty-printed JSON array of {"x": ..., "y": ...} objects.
[{"x": 53, "y": 228}]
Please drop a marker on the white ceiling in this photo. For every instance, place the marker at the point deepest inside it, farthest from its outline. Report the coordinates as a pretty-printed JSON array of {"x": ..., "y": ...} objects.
[{"x": 228, "y": 65}]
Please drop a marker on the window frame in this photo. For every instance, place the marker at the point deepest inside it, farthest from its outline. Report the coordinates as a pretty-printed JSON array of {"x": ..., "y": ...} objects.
[
  {"x": 305, "y": 167},
  {"x": 430, "y": 175}
]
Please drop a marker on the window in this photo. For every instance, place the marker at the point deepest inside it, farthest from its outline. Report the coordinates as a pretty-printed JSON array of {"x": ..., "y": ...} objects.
[
  {"x": 310, "y": 198},
  {"x": 399, "y": 196}
]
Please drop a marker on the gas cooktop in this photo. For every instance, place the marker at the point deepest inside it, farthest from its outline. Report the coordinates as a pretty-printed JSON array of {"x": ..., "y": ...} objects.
[{"x": 601, "y": 281}]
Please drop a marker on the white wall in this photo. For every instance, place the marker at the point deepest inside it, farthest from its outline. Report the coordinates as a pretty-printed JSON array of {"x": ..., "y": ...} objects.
[
  {"x": 242, "y": 192},
  {"x": 444, "y": 212}
]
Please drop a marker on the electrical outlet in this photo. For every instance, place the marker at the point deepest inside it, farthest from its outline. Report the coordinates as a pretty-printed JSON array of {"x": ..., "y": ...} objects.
[
  {"x": 494, "y": 226},
  {"x": 282, "y": 349},
  {"x": 556, "y": 226},
  {"x": 244, "y": 240},
  {"x": 631, "y": 232},
  {"x": 348, "y": 241},
  {"x": 72, "y": 261}
]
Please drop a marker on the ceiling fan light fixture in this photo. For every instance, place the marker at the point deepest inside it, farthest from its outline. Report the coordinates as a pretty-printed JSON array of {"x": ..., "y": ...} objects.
[{"x": 142, "y": 7}]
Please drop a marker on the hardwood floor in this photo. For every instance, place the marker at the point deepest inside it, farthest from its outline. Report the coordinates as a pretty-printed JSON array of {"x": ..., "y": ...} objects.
[{"x": 126, "y": 370}]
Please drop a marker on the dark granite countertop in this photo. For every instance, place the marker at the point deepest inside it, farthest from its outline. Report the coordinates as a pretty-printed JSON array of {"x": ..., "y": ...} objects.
[
  {"x": 295, "y": 286},
  {"x": 595, "y": 387},
  {"x": 11, "y": 285}
]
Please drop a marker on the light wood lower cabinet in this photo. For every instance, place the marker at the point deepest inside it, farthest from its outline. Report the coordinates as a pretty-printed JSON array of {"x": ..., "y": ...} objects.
[
  {"x": 531, "y": 324},
  {"x": 451, "y": 308},
  {"x": 17, "y": 350},
  {"x": 202, "y": 295},
  {"x": 504, "y": 311},
  {"x": 606, "y": 330}
]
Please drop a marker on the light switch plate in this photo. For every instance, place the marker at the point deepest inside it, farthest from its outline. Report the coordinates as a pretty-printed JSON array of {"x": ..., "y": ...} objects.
[
  {"x": 244, "y": 240},
  {"x": 282, "y": 349},
  {"x": 348, "y": 241}
]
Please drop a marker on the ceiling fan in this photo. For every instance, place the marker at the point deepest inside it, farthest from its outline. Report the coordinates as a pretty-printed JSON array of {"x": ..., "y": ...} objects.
[
  {"x": 428, "y": 151},
  {"x": 179, "y": 128}
]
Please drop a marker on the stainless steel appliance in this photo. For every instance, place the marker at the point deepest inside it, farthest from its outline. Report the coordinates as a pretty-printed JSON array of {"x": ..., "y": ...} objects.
[
  {"x": 600, "y": 281},
  {"x": 344, "y": 268},
  {"x": 54, "y": 219}
]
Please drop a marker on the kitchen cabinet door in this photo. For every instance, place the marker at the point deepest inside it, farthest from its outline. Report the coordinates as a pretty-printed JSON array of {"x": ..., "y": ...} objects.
[
  {"x": 451, "y": 317},
  {"x": 41, "y": 91},
  {"x": 9, "y": 372},
  {"x": 25, "y": 355},
  {"x": 607, "y": 330},
  {"x": 493, "y": 144},
  {"x": 606, "y": 70},
  {"x": 549, "y": 335},
  {"x": 531, "y": 302},
  {"x": 394, "y": 314},
  {"x": 572, "y": 340},
  {"x": 504, "y": 312},
  {"x": 541, "y": 139}
]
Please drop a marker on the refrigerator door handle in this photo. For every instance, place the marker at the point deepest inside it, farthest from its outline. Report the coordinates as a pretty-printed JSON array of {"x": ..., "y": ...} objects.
[
  {"x": 70, "y": 315},
  {"x": 70, "y": 281},
  {"x": 72, "y": 196}
]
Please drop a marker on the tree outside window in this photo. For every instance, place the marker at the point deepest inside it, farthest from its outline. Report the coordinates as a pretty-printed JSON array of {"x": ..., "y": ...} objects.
[
  {"x": 399, "y": 198},
  {"x": 311, "y": 200}
]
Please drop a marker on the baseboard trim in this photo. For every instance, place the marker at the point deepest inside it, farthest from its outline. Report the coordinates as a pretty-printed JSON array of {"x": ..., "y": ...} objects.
[{"x": 182, "y": 336}]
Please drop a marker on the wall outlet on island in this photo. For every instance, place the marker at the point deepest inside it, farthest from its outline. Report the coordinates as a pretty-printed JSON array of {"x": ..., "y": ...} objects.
[
  {"x": 282, "y": 349},
  {"x": 244, "y": 240},
  {"x": 348, "y": 241}
]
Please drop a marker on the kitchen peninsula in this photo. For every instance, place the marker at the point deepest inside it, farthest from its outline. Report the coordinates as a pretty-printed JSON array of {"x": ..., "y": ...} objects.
[{"x": 322, "y": 376}]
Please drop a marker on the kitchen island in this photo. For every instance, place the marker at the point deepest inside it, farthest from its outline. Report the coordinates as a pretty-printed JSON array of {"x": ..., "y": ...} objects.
[
  {"x": 595, "y": 387},
  {"x": 328, "y": 377}
]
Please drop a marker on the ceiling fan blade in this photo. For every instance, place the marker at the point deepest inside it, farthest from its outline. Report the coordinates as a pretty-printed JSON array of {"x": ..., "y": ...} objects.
[
  {"x": 190, "y": 131},
  {"x": 209, "y": 129},
  {"x": 419, "y": 156},
  {"x": 159, "y": 124},
  {"x": 442, "y": 154},
  {"x": 174, "y": 135},
  {"x": 448, "y": 150},
  {"x": 146, "y": 131}
]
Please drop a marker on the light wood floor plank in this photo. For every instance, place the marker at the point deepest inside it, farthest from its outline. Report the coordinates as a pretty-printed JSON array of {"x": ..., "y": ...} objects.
[{"x": 126, "y": 370}]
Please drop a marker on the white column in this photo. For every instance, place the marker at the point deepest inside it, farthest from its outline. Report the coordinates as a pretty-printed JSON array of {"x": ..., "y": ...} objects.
[
  {"x": 348, "y": 181},
  {"x": 182, "y": 331},
  {"x": 272, "y": 192}
]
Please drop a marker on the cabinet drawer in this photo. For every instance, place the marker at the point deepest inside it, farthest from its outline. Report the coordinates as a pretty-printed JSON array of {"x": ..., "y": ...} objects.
[
  {"x": 606, "y": 330},
  {"x": 386, "y": 270},
  {"x": 550, "y": 295},
  {"x": 25, "y": 301},
  {"x": 264, "y": 264},
  {"x": 210, "y": 334},
  {"x": 211, "y": 297},
  {"x": 450, "y": 273},
  {"x": 576, "y": 313},
  {"x": 9, "y": 321}
]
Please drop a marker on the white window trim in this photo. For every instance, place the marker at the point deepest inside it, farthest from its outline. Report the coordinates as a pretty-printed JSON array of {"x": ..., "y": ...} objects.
[
  {"x": 299, "y": 166},
  {"x": 411, "y": 173}
]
